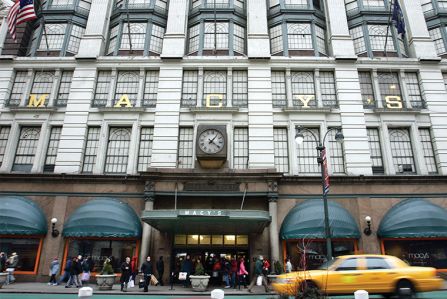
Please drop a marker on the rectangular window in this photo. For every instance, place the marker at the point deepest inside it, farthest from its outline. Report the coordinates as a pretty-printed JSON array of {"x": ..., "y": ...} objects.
[
  {"x": 375, "y": 151},
  {"x": 216, "y": 36},
  {"x": 185, "y": 147},
  {"x": 102, "y": 89},
  {"x": 240, "y": 148},
  {"x": 359, "y": 39},
  {"x": 299, "y": 36},
  {"x": 239, "y": 39},
  {"x": 150, "y": 89},
  {"x": 351, "y": 6},
  {"x": 337, "y": 159},
  {"x": 194, "y": 38},
  {"x": 276, "y": 39},
  {"x": 4, "y": 135},
  {"x": 26, "y": 247},
  {"x": 442, "y": 4},
  {"x": 75, "y": 39},
  {"x": 377, "y": 37},
  {"x": 303, "y": 89},
  {"x": 145, "y": 150},
  {"x": 427, "y": 6},
  {"x": 367, "y": 90},
  {"x": 307, "y": 153},
  {"x": 327, "y": 87},
  {"x": 64, "y": 88},
  {"x": 137, "y": 36},
  {"x": 189, "y": 88},
  {"x": 127, "y": 84},
  {"x": 436, "y": 36},
  {"x": 215, "y": 88},
  {"x": 240, "y": 89},
  {"x": 373, "y": 3},
  {"x": 53, "y": 145},
  {"x": 117, "y": 155},
  {"x": 91, "y": 149},
  {"x": 279, "y": 95},
  {"x": 42, "y": 85},
  {"x": 280, "y": 143},
  {"x": 321, "y": 40},
  {"x": 429, "y": 153},
  {"x": 402, "y": 151},
  {"x": 113, "y": 37},
  {"x": 17, "y": 89},
  {"x": 26, "y": 149},
  {"x": 156, "y": 43},
  {"x": 390, "y": 89},
  {"x": 414, "y": 91}
]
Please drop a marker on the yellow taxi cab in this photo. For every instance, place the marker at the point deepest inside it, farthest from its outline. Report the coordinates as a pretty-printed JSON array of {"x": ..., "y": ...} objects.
[{"x": 376, "y": 274}]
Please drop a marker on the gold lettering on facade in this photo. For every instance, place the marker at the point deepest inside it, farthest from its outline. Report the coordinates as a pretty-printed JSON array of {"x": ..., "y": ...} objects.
[
  {"x": 393, "y": 102},
  {"x": 210, "y": 97},
  {"x": 305, "y": 99},
  {"x": 124, "y": 100},
  {"x": 33, "y": 102}
]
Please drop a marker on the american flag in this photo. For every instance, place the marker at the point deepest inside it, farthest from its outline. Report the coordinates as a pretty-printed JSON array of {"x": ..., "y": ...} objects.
[{"x": 21, "y": 11}]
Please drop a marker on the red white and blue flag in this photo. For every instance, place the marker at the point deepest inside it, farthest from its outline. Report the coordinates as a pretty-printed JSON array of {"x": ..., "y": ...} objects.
[{"x": 22, "y": 11}]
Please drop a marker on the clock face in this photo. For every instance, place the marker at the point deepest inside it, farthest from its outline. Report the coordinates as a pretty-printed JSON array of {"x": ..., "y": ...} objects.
[{"x": 211, "y": 141}]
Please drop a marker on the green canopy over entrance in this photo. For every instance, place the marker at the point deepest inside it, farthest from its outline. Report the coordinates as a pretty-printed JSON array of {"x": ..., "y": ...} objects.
[
  {"x": 414, "y": 218},
  {"x": 21, "y": 216},
  {"x": 207, "y": 221},
  {"x": 306, "y": 221},
  {"x": 103, "y": 217}
]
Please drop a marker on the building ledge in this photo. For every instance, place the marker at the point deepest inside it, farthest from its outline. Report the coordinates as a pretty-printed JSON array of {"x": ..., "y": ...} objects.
[
  {"x": 211, "y": 109},
  {"x": 311, "y": 110}
]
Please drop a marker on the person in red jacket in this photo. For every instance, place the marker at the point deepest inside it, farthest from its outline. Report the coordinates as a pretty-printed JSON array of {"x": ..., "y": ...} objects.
[{"x": 134, "y": 268}]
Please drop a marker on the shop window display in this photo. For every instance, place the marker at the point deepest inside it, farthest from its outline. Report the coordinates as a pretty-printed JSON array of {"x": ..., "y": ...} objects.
[
  {"x": 27, "y": 250},
  {"x": 311, "y": 254},
  {"x": 425, "y": 253},
  {"x": 99, "y": 250}
]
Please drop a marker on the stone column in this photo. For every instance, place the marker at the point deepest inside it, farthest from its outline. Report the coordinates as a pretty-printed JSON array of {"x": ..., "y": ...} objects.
[
  {"x": 273, "y": 228},
  {"x": 149, "y": 199},
  {"x": 340, "y": 39},
  {"x": 258, "y": 41},
  {"x": 175, "y": 36}
]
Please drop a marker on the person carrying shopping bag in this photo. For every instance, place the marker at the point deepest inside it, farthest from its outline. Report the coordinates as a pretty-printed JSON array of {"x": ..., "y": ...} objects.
[
  {"x": 126, "y": 272},
  {"x": 147, "y": 271},
  {"x": 54, "y": 269}
]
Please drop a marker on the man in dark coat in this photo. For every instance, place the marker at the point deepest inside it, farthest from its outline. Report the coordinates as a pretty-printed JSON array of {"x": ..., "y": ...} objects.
[
  {"x": 160, "y": 270},
  {"x": 258, "y": 272},
  {"x": 2, "y": 262},
  {"x": 126, "y": 272},
  {"x": 74, "y": 270},
  {"x": 147, "y": 271},
  {"x": 187, "y": 267}
]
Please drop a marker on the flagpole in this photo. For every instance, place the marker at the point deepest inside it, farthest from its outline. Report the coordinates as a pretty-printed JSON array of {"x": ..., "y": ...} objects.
[{"x": 388, "y": 28}]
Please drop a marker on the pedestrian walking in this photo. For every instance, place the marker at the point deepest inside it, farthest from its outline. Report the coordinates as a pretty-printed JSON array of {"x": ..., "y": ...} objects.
[
  {"x": 242, "y": 273},
  {"x": 160, "y": 269},
  {"x": 126, "y": 272},
  {"x": 147, "y": 271},
  {"x": 226, "y": 271},
  {"x": 259, "y": 273},
  {"x": 11, "y": 265},
  {"x": 134, "y": 268},
  {"x": 54, "y": 269},
  {"x": 3, "y": 259},
  {"x": 66, "y": 275},
  {"x": 187, "y": 267},
  {"x": 288, "y": 266},
  {"x": 86, "y": 268},
  {"x": 74, "y": 270},
  {"x": 233, "y": 272}
]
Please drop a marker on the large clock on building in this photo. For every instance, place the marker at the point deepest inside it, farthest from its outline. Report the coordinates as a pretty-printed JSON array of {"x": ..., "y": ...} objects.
[{"x": 211, "y": 145}]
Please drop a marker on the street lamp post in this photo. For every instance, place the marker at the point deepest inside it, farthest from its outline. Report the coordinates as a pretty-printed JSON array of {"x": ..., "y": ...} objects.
[{"x": 321, "y": 159}]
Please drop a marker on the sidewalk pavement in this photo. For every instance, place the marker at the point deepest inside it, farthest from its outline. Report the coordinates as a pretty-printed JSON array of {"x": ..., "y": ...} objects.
[{"x": 44, "y": 288}]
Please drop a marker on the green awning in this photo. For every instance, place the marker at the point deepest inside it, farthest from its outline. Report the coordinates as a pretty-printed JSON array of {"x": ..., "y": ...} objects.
[
  {"x": 21, "y": 216},
  {"x": 207, "y": 221},
  {"x": 414, "y": 218},
  {"x": 103, "y": 217},
  {"x": 306, "y": 221}
]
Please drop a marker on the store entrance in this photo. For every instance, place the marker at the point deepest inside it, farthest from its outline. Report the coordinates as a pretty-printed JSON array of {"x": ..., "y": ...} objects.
[{"x": 210, "y": 257}]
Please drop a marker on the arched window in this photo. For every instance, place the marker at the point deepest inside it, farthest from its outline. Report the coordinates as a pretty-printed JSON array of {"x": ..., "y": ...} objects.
[
  {"x": 402, "y": 151},
  {"x": 117, "y": 150}
]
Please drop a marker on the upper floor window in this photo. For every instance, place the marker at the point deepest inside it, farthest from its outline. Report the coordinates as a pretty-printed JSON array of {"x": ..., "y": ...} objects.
[
  {"x": 79, "y": 6},
  {"x": 300, "y": 39},
  {"x": 428, "y": 150},
  {"x": 371, "y": 40},
  {"x": 281, "y": 148},
  {"x": 117, "y": 155},
  {"x": 215, "y": 89},
  {"x": 240, "y": 148},
  {"x": 217, "y": 38},
  {"x": 439, "y": 37},
  {"x": 185, "y": 147},
  {"x": 239, "y": 4},
  {"x": 142, "y": 38},
  {"x": 4, "y": 136},
  {"x": 402, "y": 150},
  {"x": 145, "y": 149},
  {"x": 139, "y": 4},
  {"x": 35, "y": 89},
  {"x": 91, "y": 149},
  {"x": 56, "y": 39},
  {"x": 375, "y": 151},
  {"x": 53, "y": 146},
  {"x": 26, "y": 149},
  {"x": 127, "y": 89}
]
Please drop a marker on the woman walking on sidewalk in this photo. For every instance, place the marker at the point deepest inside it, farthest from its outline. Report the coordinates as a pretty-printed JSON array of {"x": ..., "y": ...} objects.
[
  {"x": 126, "y": 272},
  {"x": 54, "y": 269},
  {"x": 242, "y": 273}
]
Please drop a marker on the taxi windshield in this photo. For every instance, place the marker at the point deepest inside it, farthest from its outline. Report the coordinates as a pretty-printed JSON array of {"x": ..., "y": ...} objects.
[{"x": 328, "y": 264}]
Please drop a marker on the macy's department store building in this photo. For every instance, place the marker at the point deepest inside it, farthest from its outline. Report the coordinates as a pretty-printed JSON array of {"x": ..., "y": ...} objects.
[{"x": 167, "y": 128}]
